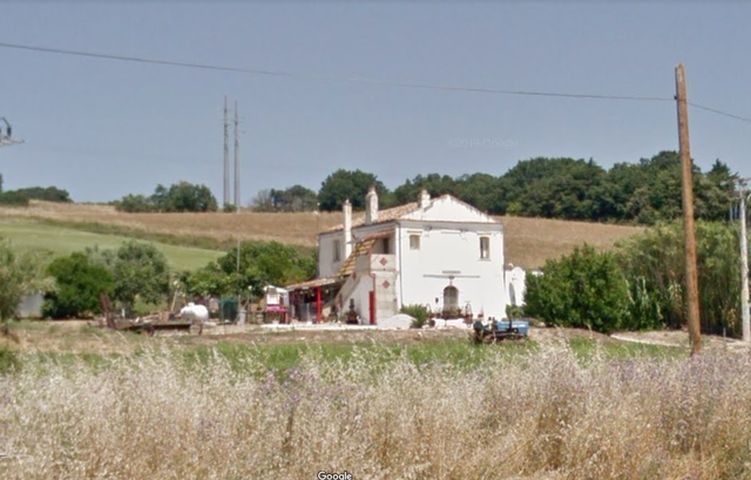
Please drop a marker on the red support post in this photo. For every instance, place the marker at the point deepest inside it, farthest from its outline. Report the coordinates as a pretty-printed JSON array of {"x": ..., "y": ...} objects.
[{"x": 319, "y": 305}]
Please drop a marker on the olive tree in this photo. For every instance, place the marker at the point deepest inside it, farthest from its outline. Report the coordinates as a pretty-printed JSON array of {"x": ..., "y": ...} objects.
[
  {"x": 139, "y": 271},
  {"x": 20, "y": 274}
]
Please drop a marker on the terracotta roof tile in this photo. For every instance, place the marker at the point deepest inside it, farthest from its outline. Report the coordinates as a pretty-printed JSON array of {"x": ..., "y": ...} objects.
[{"x": 384, "y": 216}]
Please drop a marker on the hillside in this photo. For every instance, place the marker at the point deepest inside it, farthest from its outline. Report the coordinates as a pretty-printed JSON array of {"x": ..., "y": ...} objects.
[
  {"x": 30, "y": 234},
  {"x": 529, "y": 241}
]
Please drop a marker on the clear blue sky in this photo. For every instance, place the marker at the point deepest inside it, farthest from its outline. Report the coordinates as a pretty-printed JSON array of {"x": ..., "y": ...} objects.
[{"x": 103, "y": 128}]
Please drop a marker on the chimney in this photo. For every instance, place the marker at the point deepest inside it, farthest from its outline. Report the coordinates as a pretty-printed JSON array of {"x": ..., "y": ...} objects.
[
  {"x": 347, "y": 213},
  {"x": 371, "y": 206},
  {"x": 424, "y": 199}
]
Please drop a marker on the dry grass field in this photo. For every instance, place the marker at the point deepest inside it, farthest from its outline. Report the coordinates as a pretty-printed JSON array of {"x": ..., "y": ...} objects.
[
  {"x": 409, "y": 408},
  {"x": 529, "y": 241}
]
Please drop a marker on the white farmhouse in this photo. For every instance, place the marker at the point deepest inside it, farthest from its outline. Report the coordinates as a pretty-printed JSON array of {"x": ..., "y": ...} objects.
[{"x": 438, "y": 252}]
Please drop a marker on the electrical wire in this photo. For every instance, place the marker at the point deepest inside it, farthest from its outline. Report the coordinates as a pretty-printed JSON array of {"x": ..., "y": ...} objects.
[
  {"x": 720, "y": 112},
  {"x": 355, "y": 79}
]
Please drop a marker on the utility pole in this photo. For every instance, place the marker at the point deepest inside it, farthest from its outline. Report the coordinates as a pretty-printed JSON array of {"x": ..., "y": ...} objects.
[
  {"x": 226, "y": 154},
  {"x": 746, "y": 323},
  {"x": 692, "y": 277},
  {"x": 237, "y": 160}
]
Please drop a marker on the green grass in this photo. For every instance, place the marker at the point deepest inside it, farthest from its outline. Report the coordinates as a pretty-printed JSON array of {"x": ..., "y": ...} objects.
[
  {"x": 35, "y": 235},
  {"x": 280, "y": 358}
]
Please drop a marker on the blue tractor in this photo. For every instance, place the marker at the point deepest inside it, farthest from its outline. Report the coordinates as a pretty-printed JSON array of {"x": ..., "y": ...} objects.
[{"x": 498, "y": 330}]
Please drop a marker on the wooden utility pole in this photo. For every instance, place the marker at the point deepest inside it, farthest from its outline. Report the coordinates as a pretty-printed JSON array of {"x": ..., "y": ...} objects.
[
  {"x": 745, "y": 318},
  {"x": 692, "y": 277}
]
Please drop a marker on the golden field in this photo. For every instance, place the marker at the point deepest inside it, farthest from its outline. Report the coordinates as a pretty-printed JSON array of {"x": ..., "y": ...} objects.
[{"x": 529, "y": 241}]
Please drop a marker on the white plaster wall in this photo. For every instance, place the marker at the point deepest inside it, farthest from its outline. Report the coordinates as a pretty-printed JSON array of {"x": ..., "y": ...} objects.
[
  {"x": 361, "y": 294},
  {"x": 327, "y": 267},
  {"x": 452, "y": 250},
  {"x": 448, "y": 208},
  {"x": 516, "y": 282}
]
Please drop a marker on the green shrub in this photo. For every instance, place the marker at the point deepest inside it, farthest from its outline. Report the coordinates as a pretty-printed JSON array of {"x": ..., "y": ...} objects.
[
  {"x": 420, "y": 313},
  {"x": 585, "y": 289},
  {"x": 79, "y": 284}
]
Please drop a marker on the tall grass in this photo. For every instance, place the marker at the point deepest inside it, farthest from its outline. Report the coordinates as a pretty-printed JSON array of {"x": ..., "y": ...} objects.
[{"x": 545, "y": 414}]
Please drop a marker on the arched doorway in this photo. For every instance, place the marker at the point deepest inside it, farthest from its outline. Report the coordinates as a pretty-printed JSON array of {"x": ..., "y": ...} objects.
[{"x": 451, "y": 300}]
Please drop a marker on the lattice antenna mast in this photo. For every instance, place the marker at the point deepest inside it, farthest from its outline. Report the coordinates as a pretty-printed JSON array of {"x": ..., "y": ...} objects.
[
  {"x": 6, "y": 135},
  {"x": 237, "y": 159}
]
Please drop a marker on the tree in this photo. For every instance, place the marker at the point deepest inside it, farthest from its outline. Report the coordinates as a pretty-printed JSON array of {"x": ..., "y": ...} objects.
[
  {"x": 434, "y": 183},
  {"x": 584, "y": 289},
  {"x": 48, "y": 194},
  {"x": 654, "y": 264},
  {"x": 353, "y": 185},
  {"x": 135, "y": 203},
  {"x": 260, "y": 264},
  {"x": 139, "y": 271},
  {"x": 79, "y": 282},
  {"x": 293, "y": 199},
  {"x": 180, "y": 197},
  {"x": 20, "y": 274},
  {"x": 186, "y": 197},
  {"x": 553, "y": 188}
]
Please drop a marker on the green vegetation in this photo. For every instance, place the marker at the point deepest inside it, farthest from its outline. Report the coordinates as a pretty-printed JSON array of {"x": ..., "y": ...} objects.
[
  {"x": 584, "y": 290},
  {"x": 654, "y": 264},
  {"x": 293, "y": 199},
  {"x": 22, "y": 196},
  {"x": 640, "y": 284},
  {"x": 20, "y": 274},
  {"x": 140, "y": 272},
  {"x": 260, "y": 264},
  {"x": 61, "y": 239},
  {"x": 645, "y": 192},
  {"x": 180, "y": 197},
  {"x": 353, "y": 185},
  {"x": 280, "y": 358},
  {"x": 420, "y": 313},
  {"x": 79, "y": 282}
]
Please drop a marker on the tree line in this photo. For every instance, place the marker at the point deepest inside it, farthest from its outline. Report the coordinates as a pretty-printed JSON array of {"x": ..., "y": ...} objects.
[
  {"x": 22, "y": 196},
  {"x": 645, "y": 192}
]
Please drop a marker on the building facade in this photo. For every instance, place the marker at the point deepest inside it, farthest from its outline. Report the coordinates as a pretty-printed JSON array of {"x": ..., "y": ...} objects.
[{"x": 437, "y": 252}]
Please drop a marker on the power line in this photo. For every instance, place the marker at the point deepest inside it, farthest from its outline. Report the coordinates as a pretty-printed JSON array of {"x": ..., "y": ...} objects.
[
  {"x": 720, "y": 112},
  {"x": 358, "y": 79},
  {"x": 354, "y": 79}
]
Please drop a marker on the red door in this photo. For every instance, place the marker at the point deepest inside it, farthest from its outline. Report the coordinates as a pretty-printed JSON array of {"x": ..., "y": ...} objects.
[{"x": 372, "y": 307}]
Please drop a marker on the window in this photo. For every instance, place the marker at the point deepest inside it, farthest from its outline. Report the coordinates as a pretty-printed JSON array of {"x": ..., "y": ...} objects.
[
  {"x": 484, "y": 248},
  {"x": 337, "y": 250},
  {"x": 414, "y": 242}
]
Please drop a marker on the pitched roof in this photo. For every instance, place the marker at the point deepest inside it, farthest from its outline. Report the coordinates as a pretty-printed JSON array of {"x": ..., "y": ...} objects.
[
  {"x": 384, "y": 216},
  {"x": 404, "y": 211}
]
